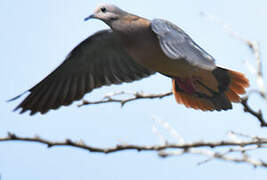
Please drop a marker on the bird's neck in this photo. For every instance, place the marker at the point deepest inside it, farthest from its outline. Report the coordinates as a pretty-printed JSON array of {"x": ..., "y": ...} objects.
[
  {"x": 138, "y": 39},
  {"x": 130, "y": 25},
  {"x": 132, "y": 29}
]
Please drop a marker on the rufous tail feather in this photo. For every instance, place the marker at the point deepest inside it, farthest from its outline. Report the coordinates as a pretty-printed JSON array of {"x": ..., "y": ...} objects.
[{"x": 210, "y": 91}]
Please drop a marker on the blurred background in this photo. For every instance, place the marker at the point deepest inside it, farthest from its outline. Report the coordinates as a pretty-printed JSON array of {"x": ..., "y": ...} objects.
[{"x": 36, "y": 36}]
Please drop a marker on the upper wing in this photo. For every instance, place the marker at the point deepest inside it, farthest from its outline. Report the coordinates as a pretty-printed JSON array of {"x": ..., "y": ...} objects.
[
  {"x": 99, "y": 60},
  {"x": 176, "y": 44}
]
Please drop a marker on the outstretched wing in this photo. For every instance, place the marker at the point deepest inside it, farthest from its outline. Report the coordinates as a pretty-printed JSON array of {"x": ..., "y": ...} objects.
[
  {"x": 97, "y": 61},
  {"x": 176, "y": 44}
]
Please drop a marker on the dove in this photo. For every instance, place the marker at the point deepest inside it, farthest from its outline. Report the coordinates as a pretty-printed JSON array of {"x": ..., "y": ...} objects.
[{"x": 135, "y": 48}]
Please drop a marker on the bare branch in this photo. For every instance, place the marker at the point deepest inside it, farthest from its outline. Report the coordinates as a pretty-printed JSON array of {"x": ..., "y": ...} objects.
[
  {"x": 191, "y": 148},
  {"x": 241, "y": 152},
  {"x": 136, "y": 96},
  {"x": 217, "y": 155},
  {"x": 258, "y": 114},
  {"x": 254, "y": 46},
  {"x": 68, "y": 142},
  {"x": 139, "y": 95}
]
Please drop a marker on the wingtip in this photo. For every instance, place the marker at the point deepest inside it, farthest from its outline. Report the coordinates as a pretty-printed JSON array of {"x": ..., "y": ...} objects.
[
  {"x": 23, "y": 111},
  {"x": 33, "y": 112},
  {"x": 15, "y": 98},
  {"x": 15, "y": 109}
]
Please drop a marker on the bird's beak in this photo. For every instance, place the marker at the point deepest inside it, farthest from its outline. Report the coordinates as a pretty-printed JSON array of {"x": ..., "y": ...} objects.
[{"x": 92, "y": 16}]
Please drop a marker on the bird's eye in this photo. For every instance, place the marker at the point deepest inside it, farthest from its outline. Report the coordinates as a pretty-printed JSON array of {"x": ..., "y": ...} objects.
[{"x": 103, "y": 9}]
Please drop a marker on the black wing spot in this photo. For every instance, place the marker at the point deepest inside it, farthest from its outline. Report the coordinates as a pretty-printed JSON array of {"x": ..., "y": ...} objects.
[{"x": 222, "y": 77}]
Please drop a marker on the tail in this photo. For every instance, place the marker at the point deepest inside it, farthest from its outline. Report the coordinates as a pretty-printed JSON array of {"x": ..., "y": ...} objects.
[{"x": 209, "y": 91}]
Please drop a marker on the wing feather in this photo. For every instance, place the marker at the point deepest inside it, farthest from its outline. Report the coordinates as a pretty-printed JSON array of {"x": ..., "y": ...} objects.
[
  {"x": 97, "y": 61},
  {"x": 176, "y": 44}
]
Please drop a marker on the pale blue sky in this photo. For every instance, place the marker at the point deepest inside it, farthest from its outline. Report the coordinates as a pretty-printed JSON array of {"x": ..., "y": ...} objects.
[{"x": 37, "y": 35}]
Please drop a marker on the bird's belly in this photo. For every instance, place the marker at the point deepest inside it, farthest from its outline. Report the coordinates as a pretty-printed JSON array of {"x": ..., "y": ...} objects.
[
  {"x": 159, "y": 62},
  {"x": 173, "y": 67}
]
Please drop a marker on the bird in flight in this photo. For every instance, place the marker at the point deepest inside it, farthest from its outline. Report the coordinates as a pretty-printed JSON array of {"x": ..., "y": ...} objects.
[{"x": 134, "y": 48}]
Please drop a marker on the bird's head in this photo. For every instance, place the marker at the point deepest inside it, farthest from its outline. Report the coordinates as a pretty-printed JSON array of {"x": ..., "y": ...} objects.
[{"x": 107, "y": 13}]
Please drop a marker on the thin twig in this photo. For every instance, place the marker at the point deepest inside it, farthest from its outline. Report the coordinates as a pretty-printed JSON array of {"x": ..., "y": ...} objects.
[
  {"x": 216, "y": 155},
  {"x": 136, "y": 96},
  {"x": 248, "y": 109}
]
